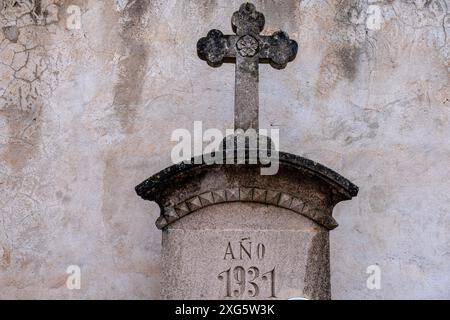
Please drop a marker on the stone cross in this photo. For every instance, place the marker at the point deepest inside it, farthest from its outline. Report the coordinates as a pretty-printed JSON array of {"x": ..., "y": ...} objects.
[
  {"x": 229, "y": 232},
  {"x": 247, "y": 49}
]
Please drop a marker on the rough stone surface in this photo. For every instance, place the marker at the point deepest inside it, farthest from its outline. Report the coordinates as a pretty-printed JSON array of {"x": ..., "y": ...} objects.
[
  {"x": 91, "y": 111},
  {"x": 251, "y": 240}
]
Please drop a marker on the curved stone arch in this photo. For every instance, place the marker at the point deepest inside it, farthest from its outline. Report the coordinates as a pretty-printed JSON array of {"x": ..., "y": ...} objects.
[
  {"x": 147, "y": 188},
  {"x": 176, "y": 202}
]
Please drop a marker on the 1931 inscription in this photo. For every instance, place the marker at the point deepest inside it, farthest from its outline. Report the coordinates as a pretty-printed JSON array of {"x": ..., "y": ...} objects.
[{"x": 240, "y": 281}]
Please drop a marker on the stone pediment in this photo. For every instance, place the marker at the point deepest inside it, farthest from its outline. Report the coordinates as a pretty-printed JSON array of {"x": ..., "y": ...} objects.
[{"x": 301, "y": 185}]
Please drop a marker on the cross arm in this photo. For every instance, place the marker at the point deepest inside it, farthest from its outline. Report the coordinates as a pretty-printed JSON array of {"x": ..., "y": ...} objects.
[
  {"x": 216, "y": 47},
  {"x": 277, "y": 49}
]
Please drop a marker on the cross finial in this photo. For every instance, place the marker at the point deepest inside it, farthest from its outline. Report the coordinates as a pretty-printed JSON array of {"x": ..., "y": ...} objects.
[{"x": 247, "y": 49}]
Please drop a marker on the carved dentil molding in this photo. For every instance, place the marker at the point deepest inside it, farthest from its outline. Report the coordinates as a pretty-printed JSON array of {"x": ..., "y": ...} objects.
[{"x": 244, "y": 194}]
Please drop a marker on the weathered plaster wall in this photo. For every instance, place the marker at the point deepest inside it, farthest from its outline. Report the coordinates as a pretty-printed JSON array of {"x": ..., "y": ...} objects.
[{"x": 86, "y": 114}]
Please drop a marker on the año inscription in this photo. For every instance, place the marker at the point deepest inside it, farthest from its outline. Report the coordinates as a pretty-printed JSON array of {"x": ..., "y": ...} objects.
[{"x": 240, "y": 281}]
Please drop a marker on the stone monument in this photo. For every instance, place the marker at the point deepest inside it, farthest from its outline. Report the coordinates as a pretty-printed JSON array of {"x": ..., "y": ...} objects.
[{"x": 229, "y": 232}]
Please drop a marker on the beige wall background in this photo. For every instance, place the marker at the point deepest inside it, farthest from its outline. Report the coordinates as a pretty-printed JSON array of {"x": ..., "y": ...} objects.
[{"x": 87, "y": 113}]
